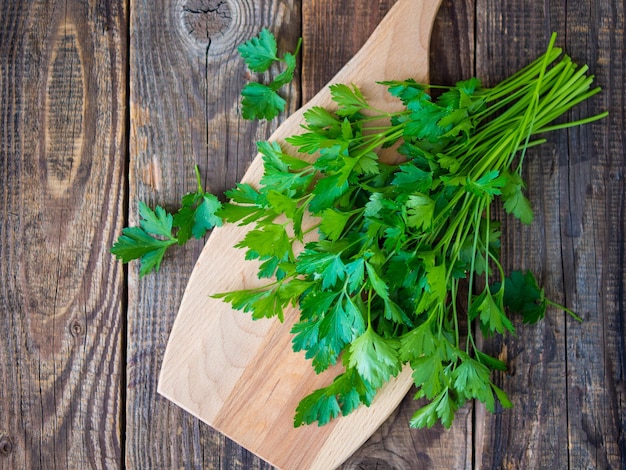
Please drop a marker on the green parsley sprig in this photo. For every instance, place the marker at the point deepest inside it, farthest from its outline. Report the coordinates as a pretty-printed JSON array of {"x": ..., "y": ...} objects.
[
  {"x": 149, "y": 241},
  {"x": 262, "y": 101}
]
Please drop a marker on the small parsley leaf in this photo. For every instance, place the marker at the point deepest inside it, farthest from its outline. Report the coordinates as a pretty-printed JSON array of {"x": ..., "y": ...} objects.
[
  {"x": 261, "y": 100},
  {"x": 142, "y": 242},
  {"x": 260, "y": 52},
  {"x": 523, "y": 295}
]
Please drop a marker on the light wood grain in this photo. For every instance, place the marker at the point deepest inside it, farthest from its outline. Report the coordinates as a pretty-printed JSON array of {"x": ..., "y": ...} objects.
[
  {"x": 62, "y": 155},
  {"x": 241, "y": 376}
]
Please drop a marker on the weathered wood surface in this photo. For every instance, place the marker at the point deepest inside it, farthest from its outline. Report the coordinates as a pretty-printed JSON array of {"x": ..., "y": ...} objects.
[
  {"x": 81, "y": 341},
  {"x": 62, "y": 171}
]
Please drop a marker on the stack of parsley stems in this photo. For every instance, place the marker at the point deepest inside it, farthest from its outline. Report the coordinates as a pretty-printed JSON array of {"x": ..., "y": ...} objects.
[
  {"x": 556, "y": 91},
  {"x": 524, "y": 105}
]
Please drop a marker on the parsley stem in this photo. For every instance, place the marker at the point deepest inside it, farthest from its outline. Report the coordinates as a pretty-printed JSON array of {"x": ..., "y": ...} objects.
[
  {"x": 564, "y": 308},
  {"x": 454, "y": 289},
  {"x": 569, "y": 124},
  {"x": 198, "y": 180},
  {"x": 476, "y": 215},
  {"x": 369, "y": 308}
]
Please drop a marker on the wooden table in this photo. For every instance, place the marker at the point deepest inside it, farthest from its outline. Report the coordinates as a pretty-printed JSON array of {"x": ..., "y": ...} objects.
[{"x": 103, "y": 103}]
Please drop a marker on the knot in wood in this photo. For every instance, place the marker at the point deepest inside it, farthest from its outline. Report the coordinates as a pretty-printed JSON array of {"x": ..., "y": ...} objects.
[
  {"x": 205, "y": 19},
  {"x": 76, "y": 329},
  {"x": 6, "y": 445}
]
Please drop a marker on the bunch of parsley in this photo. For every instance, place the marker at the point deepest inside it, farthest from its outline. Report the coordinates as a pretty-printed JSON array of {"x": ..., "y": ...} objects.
[{"x": 380, "y": 287}]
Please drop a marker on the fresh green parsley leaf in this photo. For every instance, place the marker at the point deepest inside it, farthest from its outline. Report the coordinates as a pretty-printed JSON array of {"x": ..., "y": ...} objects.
[
  {"x": 321, "y": 406},
  {"x": 260, "y": 52},
  {"x": 420, "y": 211},
  {"x": 197, "y": 215},
  {"x": 349, "y": 98},
  {"x": 261, "y": 102},
  {"x": 472, "y": 379},
  {"x": 355, "y": 271},
  {"x": 514, "y": 200},
  {"x": 333, "y": 223},
  {"x": 375, "y": 358},
  {"x": 318, "y": 118},
  {"x": 379, "y": 286},
  {"x": 286, "y": 76},
  {"x": 442, "y": 408},
  {"x": 342, "y": 396},
  {"x": 419, "y": 342},
  {"x": 327, "y": 191},
  {"x": 523, "y": 295},
  {"x": 412, "y": 179},
  {"x": 489, "y": 184},
  {"x": 490, "y": 312},
  {"x": 148, "y": 242},
  {"x": 326, "y": 266},
  {"x": 270, "y": 241},
  {"x": 157, "y": 222}
]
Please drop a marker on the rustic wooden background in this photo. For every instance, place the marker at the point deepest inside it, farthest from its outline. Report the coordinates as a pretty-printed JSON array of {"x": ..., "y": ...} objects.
[{"x": 106, "y": 102}]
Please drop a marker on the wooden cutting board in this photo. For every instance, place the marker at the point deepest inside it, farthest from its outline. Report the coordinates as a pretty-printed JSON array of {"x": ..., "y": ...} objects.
[{"x": 241, "y": 376}]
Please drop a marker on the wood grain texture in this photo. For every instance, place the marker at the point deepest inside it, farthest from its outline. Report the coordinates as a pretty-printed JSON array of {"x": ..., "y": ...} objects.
[
  {"x": 593, "y": 247},
  {"x": 62, "y": 154},
  {"x": 332, "y": 32},
  {"x": 184, "y": 102}
]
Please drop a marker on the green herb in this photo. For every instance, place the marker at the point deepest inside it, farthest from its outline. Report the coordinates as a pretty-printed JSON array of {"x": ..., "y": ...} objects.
[
  {"x": 149, "y": 241},
  {"x": 262, "y": 101},
  {"x": 142, "y": 242},
  {"x": 380, "y": 288}
]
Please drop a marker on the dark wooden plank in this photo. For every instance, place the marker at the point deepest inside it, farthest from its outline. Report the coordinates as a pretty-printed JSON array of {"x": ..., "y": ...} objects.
[
  {"x": 452, "y": 45},
  {"x": 185, "y": 82},
  {"x": 332, "y": 32},
  {"x": 534, "y": 433},
  {"x": 62, "y": 159},
  {"x": 566, "y": 379},
  {"x": 594, "y": 243}
]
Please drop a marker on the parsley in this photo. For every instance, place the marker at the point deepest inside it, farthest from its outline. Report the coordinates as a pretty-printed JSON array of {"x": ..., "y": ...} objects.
[
  {"x": 402, "y": 248},
  {"x": 143, "y": 243},
  {"x": 381, "y": 287},
  {"x": 150, "y": 240},
  {"x": 262, "y": 101}
]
